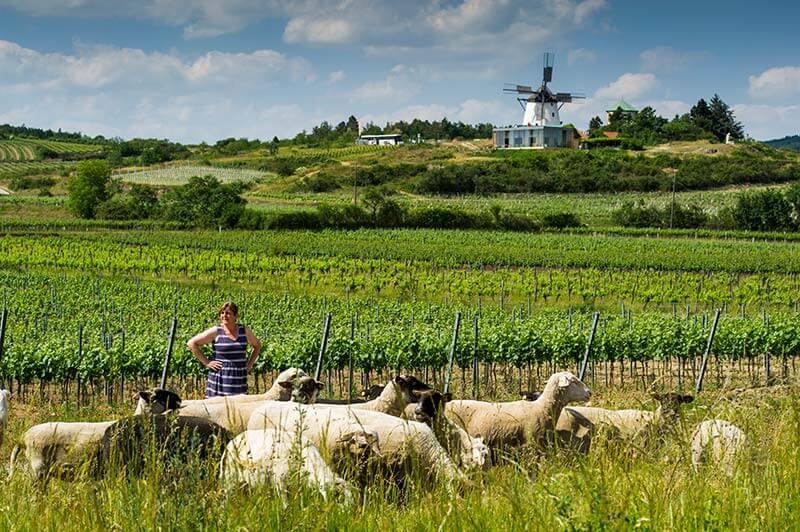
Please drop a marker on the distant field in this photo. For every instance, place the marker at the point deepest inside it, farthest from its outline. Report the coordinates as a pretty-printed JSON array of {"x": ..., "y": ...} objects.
[
  {"x": 16, "y": 168},
  {"x": 592, "y": 209},
  {"x": 25, "y": 149},
  {"x": 179, "y": 175}
]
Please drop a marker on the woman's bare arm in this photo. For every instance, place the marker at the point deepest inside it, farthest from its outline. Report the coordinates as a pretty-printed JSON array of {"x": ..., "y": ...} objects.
[
  {"x": 256, "y": 344},
  {"x": 204, "y": 338}
]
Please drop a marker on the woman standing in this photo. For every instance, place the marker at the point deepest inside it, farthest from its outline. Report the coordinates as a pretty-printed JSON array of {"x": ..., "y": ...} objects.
[{"x": 230, "y": 365}]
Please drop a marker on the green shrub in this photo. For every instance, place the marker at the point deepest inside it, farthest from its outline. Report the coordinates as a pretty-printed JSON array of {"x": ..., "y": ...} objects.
[
  {"x": 766, "y": 210},
  {"x": 561, "y": 220},
  {"x": 204, "y": 202}
]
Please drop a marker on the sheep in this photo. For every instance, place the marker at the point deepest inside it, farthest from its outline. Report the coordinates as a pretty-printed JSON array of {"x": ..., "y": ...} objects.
[
  {"x": 281, "y": 390},
  {"x": 60, "y": 448},
  {"x": 523, "y": 422},
  {"x": 399, "y": 441},
  {"x": 717, "y": 441},
  {"x": 468, "y": 452},
  {"x": 4, "y": 397},
  {"x": 127, "y": 441},
  {"x": 232, "y": 412},
  {"x": 628, "y": 424},
  {"x": 257, "y": 457},
  {"x": 395, "y": 396}
]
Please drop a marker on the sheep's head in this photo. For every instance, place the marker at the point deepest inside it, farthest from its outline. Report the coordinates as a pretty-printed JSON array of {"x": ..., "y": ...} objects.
[
  {"x": 570, "y": 387},
  {"x": 669, "y": 403},
  {"x": 360, "y": 443},
  {"x": 373, "y": 392},
  {"x": 306, "y": 389},
  {"x": 429, "y": 404},
  {"x": 408, "y": 385},
  {"x": 284, "y": 382},
  {"x": 157, "y": 401},
  {"x": 477, "y": 456}
]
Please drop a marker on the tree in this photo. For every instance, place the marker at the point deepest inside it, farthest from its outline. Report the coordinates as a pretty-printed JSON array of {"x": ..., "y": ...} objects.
[
  {"x": 595, "y": 127},
  {"x": 274, "y": 145},
  {"x": 87, "y": 188},
  {"x": 204, "y": 202},
  {"x": 700, "y": 115},
  {"x": 617, "y": 117},
  {"x": 723, "y": 120}
]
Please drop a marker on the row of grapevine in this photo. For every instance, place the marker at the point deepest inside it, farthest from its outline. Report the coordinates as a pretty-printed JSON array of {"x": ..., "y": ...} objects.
[
  {"x": 124, "y": 324},
  {"x": 26, "y": 149},
  {"x": 173, "y": 175},
  {"x": 269, "y": 261},
  {"x": 15, "y": 168}
]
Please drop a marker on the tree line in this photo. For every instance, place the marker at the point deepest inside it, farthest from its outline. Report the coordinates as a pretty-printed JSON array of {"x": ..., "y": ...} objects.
[{"x": 712, "y": 120}]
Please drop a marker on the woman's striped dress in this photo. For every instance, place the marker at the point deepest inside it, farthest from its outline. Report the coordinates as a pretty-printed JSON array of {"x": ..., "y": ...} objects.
[{"x": 231, "y": 379}]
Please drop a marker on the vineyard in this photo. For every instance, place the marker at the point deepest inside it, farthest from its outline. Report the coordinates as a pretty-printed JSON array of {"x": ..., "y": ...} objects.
[
  {"x": 16, "y": 168},
  {"x": 347, "y": 152},
  {"x": 394, "y": 309},
  {"x": 174, "y": 175},
  {"x": 26, "y": 149}
]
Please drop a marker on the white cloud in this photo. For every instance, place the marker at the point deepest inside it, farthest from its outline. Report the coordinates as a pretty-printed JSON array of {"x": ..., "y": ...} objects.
[
  {"x": 336, "y": 76},
  {"x": 783, "y": 82},
  {"x": 128, "y": 92},
  {"x": 471, "y": 15},
  {"x": 318, "y": 31},
  {"x": 667, "y": 59},
  {"x": 586, "y": 9},
  {"x": 101, "y": 67},
  {"x": 627, "y": 86},
  {"x": 766, "y": 122},
  {"x": 581, "y": 55}
]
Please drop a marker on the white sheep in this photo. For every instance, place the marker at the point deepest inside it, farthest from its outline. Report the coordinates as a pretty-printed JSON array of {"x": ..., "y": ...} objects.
[
  {"x": 281, "y": 390},
  {"x": 401, "y": 444},
  {"x": 232, "y": 412},
  {"x": 395, "y": 397},
  {"x": 629, "y": 424},
  {"x": 60, "y": 448},
  {"x": 717, "y": 441},
  {"x": 4, "y": 407},
  {"x": 270, "y": 456},
  {"x": 466, "y": 451},
  {"x": 522, "y": 422}
]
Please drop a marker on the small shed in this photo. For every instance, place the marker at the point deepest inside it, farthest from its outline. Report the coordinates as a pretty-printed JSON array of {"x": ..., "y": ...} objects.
[{"x": 380, "y": 140}]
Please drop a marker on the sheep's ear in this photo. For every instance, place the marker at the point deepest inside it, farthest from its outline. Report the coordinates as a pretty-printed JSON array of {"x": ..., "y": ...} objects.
[
  {"x": 286, "y": 384},
  {"x": 319, "y": 385},
  {"x": 564, "y": 381},
  {"x": 399, "y": 379},
  {"x": 686, "y": 398},
  {"x": 447, "y": 397},
  {"x": 416, "y": 393}
]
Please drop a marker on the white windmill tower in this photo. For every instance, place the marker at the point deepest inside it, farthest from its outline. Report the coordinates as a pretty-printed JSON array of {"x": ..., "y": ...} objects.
[{"x": 542, "y": 105}]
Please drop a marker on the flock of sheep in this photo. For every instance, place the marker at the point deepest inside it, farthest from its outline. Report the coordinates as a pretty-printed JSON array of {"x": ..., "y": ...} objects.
[{"x": 408, "y": 426}]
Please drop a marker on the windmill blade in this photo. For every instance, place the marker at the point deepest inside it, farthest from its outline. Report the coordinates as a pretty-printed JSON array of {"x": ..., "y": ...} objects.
[
  {"x": 519, "y": 89},
  {"x": 547, "y": 71},
  {"x": 567, "y": 97}
]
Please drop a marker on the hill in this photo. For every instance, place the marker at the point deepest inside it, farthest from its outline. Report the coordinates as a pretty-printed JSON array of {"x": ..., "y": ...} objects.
[{"x": 788, "y": 142}]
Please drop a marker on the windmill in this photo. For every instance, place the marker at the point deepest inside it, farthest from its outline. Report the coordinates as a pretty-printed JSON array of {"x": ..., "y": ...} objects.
[{"x": 542, "y": 105}]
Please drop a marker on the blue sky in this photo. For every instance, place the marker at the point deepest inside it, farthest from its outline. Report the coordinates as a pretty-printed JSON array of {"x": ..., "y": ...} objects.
[{"x": 194, "y": 70}]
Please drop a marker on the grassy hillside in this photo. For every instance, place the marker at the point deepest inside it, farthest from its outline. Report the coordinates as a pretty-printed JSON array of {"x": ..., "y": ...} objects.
[{"x": 789, "y": 143}]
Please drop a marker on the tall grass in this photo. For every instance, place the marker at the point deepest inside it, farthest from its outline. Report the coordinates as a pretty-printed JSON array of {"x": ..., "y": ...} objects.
[{"x": 620, "y": 485}]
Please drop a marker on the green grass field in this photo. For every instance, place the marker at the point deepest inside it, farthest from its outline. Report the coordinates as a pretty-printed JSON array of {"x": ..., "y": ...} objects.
[{"x": 619, "y": 486}]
